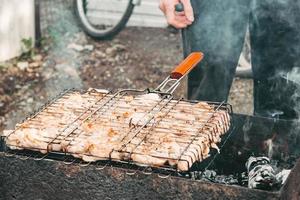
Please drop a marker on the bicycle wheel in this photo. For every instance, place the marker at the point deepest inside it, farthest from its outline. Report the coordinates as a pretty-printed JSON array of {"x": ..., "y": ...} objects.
[{"x": 103, "y": 19}]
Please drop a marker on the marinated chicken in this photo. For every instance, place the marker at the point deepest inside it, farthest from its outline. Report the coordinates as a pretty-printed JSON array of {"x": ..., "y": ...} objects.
[{"x": 146, "y": 129}]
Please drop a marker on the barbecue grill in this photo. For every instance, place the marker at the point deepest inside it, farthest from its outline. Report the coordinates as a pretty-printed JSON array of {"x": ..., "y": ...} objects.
[
  {"x": 32, "y": 176},
  {"x": 48, "y": 174},
  {"x": 162, "y": 131}
]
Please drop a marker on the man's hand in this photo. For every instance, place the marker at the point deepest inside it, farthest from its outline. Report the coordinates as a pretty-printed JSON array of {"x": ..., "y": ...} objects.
[{"x": 177, "y": 19}]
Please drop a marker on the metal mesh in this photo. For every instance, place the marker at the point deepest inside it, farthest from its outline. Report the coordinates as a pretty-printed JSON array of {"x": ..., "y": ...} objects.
[{"x": 156, "y": 123}]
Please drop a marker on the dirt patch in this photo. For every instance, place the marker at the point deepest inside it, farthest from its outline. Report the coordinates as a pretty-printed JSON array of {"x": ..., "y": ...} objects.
[
  {"x": 137, "y": 58},
  {"x": 12, "y": 80}
]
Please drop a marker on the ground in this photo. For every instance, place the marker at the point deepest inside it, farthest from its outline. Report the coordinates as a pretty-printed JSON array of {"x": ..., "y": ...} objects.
[{"x": 137, "y": 58}]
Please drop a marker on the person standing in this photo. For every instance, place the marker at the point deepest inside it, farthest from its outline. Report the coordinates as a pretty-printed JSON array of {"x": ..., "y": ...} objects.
[{"x": 218, "y": 27}]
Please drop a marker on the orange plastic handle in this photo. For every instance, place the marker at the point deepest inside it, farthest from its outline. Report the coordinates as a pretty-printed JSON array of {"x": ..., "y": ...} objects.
[{"x": 187, "y": 65}]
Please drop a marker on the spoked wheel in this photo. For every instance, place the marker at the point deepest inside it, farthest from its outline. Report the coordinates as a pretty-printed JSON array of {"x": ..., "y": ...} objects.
[{"x": 103, "y": 19}]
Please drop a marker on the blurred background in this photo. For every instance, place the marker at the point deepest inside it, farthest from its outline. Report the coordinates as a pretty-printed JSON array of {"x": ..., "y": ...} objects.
[{"x": 45, "y": 50}]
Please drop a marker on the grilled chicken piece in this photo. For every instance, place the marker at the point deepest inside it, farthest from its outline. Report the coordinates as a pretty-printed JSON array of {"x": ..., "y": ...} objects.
[
  {"x": 128, "y": 99},
  {"x": 28, "y": 138},
  {"x": 149, "y": 160},
  {"x": 179, "y": 138},
  {"x": 140, "y": 119},
  {"x": 99, "y": 144},
  {"x": 150, "y": 96},
  {"x": 203, "y": 105},
  {"x": 172, "y": 152}
]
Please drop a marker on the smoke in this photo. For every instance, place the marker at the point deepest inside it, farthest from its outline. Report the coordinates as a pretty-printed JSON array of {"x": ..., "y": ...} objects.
[
  {"x": 274, "y": 28},
  {"x": 276, "y": 24},
  {"x": 62, "y": 66},
  {"x": 293, "y": 77}
]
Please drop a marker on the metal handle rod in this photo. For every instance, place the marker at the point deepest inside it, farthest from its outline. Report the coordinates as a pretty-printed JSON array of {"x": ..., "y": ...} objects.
[{"x": 180, "y": 71}]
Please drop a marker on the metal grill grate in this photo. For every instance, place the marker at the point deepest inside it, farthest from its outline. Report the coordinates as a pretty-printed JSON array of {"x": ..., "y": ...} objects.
[{"x": 69, "y": 116}]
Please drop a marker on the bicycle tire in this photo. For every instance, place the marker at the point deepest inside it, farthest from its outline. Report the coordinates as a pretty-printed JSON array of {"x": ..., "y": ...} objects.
[{"x": 102, "y": 35}]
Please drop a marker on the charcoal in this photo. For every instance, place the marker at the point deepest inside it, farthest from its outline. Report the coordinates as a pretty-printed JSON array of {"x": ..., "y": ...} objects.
[
  {"x": 261, "y": 174},
  {"x": 212, "y": 176},
  {"x": 244, "y": 179},
  {"x": 282, "y": 176}
]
